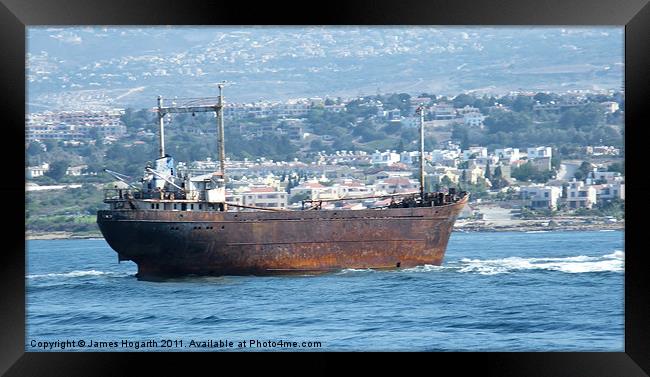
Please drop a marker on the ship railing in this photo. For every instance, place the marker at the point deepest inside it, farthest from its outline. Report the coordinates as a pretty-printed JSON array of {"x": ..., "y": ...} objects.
[
  {"x": 117, "y": 194},
  {"x": 176, "y": 195}
]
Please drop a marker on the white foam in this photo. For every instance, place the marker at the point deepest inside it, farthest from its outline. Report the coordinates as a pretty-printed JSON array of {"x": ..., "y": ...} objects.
[
  {"x": 579, "y": 264},
  {"x": 72, "y": 274},
  {"x": 423, "y": 268},
  {"x": 617, "y": 254},
  {"x": 351, "y": 270}
]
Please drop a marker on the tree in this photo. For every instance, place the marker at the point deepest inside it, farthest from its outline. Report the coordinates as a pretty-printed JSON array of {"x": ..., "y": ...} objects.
[
  {"x": 463, "y": 100},
  {"x": 461, "y": 133},
  {"x": 583, "y": 171},
  {"x": 316, "y": 145},
  {"x": 57, "y": 169},
  {"x": 497, "y": 179},
  {"x": 487, "y": 170},
  {"x": 503, "y": 121},
  {"x": 523, "y": 104},
  {"x": 34, "y": 149},
  {"x": 543, "y": 97},
  {"x": 400, "y": 146},
  {"x": 585, "y": 117},
  {"x": 569, "y": 118},
  {"x": 51, "y": 145},
  {"x": 617, "y": 167},
  {"x": 590, "y": 115},
  {"x": 299, "y": 197},
  {"x": 556, "y": 160},
  {"x": 528, "y": 171},
  {"x": 446, "y": 182}
]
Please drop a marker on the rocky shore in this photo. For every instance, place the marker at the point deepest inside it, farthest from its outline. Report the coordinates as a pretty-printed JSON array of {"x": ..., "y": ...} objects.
[
  {"x": 534, "y": 225},
  {"x": 60, "y": 235}
]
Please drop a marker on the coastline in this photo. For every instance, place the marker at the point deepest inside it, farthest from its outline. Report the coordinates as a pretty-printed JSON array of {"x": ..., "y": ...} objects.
[
  {"x": 538, "y": 225},
  {"x": 61, "y": 235}
]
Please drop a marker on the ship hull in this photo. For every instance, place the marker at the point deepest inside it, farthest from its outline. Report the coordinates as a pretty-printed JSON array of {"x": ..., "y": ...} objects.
[{"x": 178, "y": 243}]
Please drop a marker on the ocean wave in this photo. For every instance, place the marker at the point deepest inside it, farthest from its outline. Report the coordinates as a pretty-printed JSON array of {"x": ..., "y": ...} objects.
[
  {"x": 354, "y": 270},
  {"x": 76, "y": 274},
  {"x": 424, "y": 268},
  {"x": 614, "y": 262}
]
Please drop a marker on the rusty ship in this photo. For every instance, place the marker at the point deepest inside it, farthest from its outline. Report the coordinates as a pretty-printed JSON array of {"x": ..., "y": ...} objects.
[{"x": 177, "y": 225}]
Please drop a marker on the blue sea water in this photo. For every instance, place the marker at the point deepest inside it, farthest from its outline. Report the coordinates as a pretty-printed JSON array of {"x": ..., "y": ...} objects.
[{"x": 502, "y": 291}]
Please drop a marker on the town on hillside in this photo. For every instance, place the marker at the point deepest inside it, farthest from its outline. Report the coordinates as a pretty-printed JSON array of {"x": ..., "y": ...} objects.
[{"x": 528, "y": 159}]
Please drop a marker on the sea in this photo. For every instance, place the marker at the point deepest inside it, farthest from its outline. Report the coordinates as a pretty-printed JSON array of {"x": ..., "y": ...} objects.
[{"x": 496, "y": 291}]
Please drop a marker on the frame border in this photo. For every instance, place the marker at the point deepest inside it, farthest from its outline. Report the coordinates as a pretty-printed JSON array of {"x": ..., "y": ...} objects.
[{"x": 16, "y": 15}]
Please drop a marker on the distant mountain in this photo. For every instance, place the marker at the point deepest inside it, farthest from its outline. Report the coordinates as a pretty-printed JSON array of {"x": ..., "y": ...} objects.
[{"x": 85, "y": 67}]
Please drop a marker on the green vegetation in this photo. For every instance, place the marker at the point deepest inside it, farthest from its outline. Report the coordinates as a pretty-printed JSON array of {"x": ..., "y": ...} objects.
[
  {"x": 71, "y": 210},
  {"x": 582, "y": 171},
  {"x": 614, "y": 208},
  {"x": 529, "y": 172}
]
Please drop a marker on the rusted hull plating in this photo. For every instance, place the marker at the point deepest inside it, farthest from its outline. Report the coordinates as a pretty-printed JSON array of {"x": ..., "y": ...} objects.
[{"x": 177, "y": 243}]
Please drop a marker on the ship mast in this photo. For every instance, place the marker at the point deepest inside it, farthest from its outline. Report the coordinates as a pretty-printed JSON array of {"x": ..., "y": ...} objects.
[
  {"x": 161, "y": 126},
  {"x": 420, "y": 110},
  {"x": 197, "y": 105},
  {"x": 222, "y": 151}
]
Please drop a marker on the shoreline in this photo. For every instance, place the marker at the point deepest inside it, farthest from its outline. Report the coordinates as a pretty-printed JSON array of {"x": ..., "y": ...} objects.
[
  {"x": 61, "y": 236},
  {"x": 538, "y": 228},
  {"x": 459, "y": 227}
]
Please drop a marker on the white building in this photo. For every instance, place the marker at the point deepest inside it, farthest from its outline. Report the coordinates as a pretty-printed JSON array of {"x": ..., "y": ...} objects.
[
  {"x": 540, "y": 152},
  {"x": 315, "y": 190},
  {"x": 347, "y": 188},
  {"x": 443, "y": 111},
  {"x": 540, "y": 196},
  {"x": 507, "y": 154},
  {"x": 471, "y": 116},
  {"x": 609, "y": 106},
  {"x": 580, "y": 196},
  {"x": 36, "y": 171},
  {"x": 75, "y": 170},
  {"x": 397, "y": 184},
  {"x": 413, "y": 157},
  {"x": 394, "y": 114},
  {"x": 602, "y": 150},
  {"x": 385, "y": 158},
  {"x": 264, "y": 196},
  {"x": 476, "y": 152},
  {"x": 440, "y": 172},
  {"x": 606, "y": 176},
  {"x": 439, "y": 155},
  {"x": 473, "y": 119},
  {"x": 610, "y": 191},
  {"x": 74, "y": 125},
  {"x": 385, "y": 174}
]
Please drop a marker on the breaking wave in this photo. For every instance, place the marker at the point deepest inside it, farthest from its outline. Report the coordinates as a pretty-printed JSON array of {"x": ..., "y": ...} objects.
[
  {"x": 614, "y": 262},
  {"x": 76, "y": 274},
  {"x": 425, "y": 268},
  {"x": 353, "y": 270}
]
